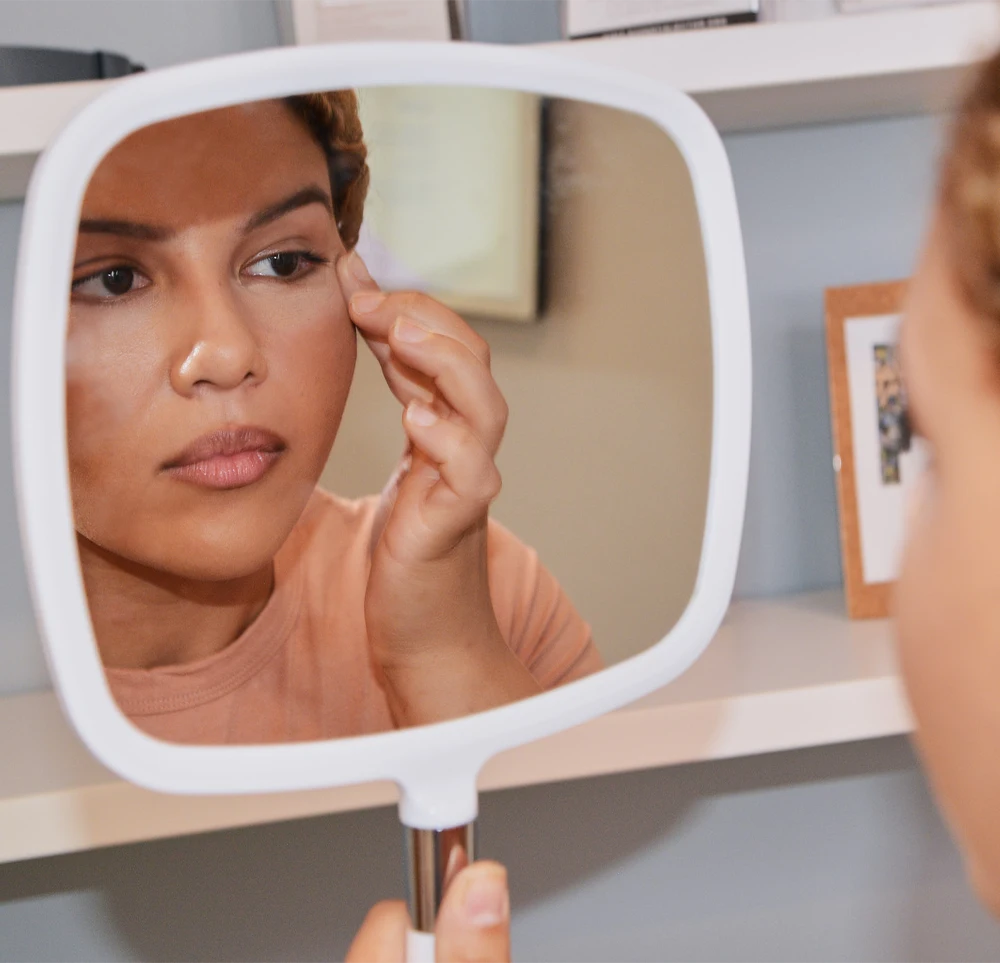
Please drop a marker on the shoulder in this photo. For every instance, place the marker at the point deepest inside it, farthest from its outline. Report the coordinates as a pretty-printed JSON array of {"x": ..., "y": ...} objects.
[
  {"x": 519, "y": 583},
  {"x": 504, "y": 544},
  {"x": 536, "y": 617}
]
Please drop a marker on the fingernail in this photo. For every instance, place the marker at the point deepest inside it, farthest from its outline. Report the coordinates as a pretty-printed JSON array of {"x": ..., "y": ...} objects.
[
  {"x": 486, "y": 901},
  {"x": 420, "y": 414},
  {"x": 357, "y": 268},
  {"x": 406, "y": 330},
  {"x": 364, "y": 302}
]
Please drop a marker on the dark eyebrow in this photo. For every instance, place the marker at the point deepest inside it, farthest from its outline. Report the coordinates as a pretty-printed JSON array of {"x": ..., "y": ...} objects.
[
  {"x": 150, "y": 232},
  {"x": 141, "y": 232},
  {"x": 302, "y": 198}
]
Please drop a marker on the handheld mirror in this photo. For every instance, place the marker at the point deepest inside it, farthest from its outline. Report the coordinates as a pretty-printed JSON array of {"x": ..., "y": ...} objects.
[{"x": 254, "y": 293}]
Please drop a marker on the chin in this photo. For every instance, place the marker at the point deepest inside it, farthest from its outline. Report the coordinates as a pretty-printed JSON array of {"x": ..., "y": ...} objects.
[
  {"x": 222, "y": 556},
  {"x": 216, "y": 564},
  {"x": 215, "y": 552},
  {"x": 215, "y": 539}
]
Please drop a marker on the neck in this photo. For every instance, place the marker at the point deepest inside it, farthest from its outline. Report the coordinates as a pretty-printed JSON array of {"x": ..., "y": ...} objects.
[{"x": 144, "y": 618}]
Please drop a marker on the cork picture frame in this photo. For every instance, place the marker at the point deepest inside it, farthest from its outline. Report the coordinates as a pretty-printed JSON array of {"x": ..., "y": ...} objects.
[{"x": 876, "y": 456}]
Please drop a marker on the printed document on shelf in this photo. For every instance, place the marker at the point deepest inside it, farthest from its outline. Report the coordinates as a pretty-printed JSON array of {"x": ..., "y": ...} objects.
[
  {"x": 336, "y": 21},
  {"x": 594, "y": 17}
]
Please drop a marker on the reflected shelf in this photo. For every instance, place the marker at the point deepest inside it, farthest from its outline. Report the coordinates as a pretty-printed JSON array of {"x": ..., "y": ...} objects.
[{"x": 783, "y": 673}]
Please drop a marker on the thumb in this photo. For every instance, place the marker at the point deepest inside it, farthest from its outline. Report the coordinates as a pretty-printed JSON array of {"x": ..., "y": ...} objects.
[{"x": 473, "y": 924}]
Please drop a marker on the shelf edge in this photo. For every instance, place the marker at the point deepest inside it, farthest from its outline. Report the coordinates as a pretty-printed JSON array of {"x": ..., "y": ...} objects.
[{"x": 115, "y": 812}]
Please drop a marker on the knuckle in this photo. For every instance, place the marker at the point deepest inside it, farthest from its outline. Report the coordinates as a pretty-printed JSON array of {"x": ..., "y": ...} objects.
[
  {"x": 452, "y": 354},
  {"x": 494, "y": 432},
  {"x": 495, "y": 424},
  {"x": 493, "y": 483},
  {"x": 502, "y": 415},
  {"x": 481, "y": 348},
  {"x": 483, "y": 476},
  {"x": 468, "y": 448}
]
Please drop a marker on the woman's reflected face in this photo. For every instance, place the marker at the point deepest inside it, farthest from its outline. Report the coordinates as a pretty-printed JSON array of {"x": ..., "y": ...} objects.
[
  {"x": 948, "y": 597},
  {"x": 209, "y": 351}
]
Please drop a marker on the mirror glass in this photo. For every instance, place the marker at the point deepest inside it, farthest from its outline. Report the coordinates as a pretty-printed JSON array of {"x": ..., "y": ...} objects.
[{"x": 310, "y": 338}]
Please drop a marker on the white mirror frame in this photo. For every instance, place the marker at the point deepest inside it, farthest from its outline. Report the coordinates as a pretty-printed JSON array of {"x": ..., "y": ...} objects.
[{"x": 435, "y": 766}]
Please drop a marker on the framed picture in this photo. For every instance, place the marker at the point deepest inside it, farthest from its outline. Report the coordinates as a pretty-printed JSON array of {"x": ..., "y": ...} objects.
[
  {"x": 877, "y": 458},
  {"x": 454, "y": 207}
]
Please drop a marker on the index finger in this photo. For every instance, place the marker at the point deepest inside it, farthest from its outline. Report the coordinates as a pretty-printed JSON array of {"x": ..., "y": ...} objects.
[
  {"x": 405, "y": 383},
  {"x": 354, "y": 278},
  {"x": 375, "y": 311}
]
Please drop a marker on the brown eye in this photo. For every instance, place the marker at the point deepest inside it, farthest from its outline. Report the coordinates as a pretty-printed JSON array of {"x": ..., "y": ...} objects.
[
  {"x": 118, "y": 280},
  {"x": 284, "y": 264},
  {"x": 109, "y": 284}
]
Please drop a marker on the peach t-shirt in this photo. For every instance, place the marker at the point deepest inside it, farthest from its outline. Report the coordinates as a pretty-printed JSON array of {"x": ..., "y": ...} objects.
[{"x": 301, "y": 671}]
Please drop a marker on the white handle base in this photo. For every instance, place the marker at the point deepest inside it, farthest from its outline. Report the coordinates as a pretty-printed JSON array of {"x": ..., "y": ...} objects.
[{"x": 419, "y": 947}]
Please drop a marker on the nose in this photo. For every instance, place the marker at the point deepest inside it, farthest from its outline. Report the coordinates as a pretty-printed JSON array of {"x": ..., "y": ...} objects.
[{"x": 219, "y": 349}]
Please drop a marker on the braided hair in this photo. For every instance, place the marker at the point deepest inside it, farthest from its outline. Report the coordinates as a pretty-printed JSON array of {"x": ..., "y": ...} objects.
[{"x": 333, "y": 119}]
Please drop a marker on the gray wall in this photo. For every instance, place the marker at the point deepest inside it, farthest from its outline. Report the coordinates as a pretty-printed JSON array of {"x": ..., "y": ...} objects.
[
  {"x": 513, "y": 21},
  {"x": 827, "y": 854},
  {"x": 820, "y": 206},
  {"x": 832, "y": 853}
]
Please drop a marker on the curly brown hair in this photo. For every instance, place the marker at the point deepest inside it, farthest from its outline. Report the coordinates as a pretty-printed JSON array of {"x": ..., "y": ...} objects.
[
  {"x": 333, "y": 119},
  {"x": 970, "y": 194}
]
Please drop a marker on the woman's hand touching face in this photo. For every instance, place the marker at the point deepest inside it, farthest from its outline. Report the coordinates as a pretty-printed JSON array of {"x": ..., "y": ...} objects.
[{"x": 430, "y": 619}]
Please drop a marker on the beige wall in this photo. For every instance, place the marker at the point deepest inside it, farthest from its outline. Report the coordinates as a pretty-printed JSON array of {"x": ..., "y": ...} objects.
[{"x": 606, "y": 457}]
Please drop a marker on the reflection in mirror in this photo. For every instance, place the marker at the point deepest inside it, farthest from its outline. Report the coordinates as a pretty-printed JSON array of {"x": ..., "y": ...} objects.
[{"x": 527, "y": 301}]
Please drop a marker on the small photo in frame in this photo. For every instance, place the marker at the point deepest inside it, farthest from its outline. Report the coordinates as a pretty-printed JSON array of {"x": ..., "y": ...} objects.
[{"x": 876, "y": 456}]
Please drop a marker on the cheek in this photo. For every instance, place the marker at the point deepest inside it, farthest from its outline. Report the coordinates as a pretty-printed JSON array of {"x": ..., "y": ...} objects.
[
  {"x": 948, "y": 606},
  {"x": 311, "y": 352},
  {"x": 948, "y": 599},
  {"x": 918, "y": 600},
  {"x": 942, "y": 598},
  {"x": 110, "y": 378}
]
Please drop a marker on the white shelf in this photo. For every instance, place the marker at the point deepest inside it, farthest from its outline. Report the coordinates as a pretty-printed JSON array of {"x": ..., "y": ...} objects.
[
  {"x": 781, "y": 674},
  {"x": 746, "y": 77},
  {"x": 838, "y": 68}
]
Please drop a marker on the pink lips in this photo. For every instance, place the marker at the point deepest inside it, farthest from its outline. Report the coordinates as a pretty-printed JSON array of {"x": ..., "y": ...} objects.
[{"x": 230, "y": 458}]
